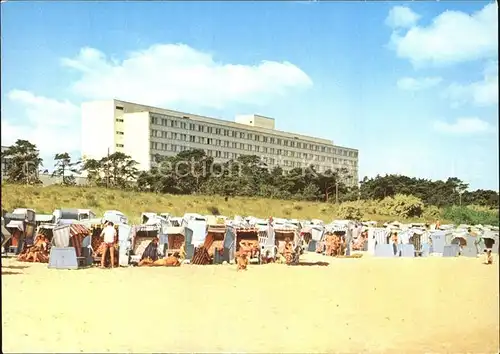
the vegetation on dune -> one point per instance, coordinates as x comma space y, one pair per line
192, 182
45, 199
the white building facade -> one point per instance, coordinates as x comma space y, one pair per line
142, 132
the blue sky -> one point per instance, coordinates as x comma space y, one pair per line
413, 86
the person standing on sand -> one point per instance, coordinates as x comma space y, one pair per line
109, 235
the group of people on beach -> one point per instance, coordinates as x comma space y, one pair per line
246, 250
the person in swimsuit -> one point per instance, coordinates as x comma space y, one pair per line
109, 235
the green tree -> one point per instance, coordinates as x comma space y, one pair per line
119, 169
94, 171
25, 162
66, 168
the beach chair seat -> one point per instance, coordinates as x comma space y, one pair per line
469, 251
63, 258
451, 251
384, 250
425, 250
407, 251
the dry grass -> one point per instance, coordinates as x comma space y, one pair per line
45, 199
351, 306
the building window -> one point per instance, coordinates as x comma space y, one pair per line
200, 128
256, 138
209, 141
119, 145
192, 138
119, 133
264, 139
119, 120
242, 135
192, 126
226, 143
285, 142
217, 153
250, 136
271, 140
119, 108
217, 131
278, 141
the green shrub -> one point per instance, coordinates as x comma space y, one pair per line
404, 206
431, 213
471, 216
350, 210
213, 210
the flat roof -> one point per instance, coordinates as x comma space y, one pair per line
224, 122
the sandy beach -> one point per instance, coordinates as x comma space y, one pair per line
429, 305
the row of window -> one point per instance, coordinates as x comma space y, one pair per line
287, 153
267, 160
218, 142
174, 123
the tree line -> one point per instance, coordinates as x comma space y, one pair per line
193, 172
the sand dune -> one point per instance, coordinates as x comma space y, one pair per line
438, 305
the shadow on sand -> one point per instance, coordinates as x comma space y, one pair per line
15, 266
11, 273
322, 264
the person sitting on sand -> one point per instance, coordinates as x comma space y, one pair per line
489, 257
151, 250
289, 251
489, 242
171, 261
109, 235
245, 248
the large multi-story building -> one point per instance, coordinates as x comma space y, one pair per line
144, 132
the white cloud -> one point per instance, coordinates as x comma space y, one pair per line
463, 126
415, 84
479, 93
452, 37
401, 17
54, 126
176, 73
